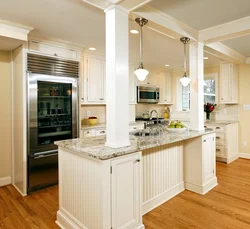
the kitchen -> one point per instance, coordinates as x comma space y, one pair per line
98, 98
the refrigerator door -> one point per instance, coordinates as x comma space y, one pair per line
52, 111
43, 170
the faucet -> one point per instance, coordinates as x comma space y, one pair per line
151, 113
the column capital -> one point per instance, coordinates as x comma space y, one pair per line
116, 7
192, 43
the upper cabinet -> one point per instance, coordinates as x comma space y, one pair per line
94, 80
132, 85
51, 49
228, 83
164, 81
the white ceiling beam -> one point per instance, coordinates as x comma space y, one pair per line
14, 30
225, 31
223, 52
129, 5
165, 23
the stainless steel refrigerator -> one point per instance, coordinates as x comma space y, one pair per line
52, 115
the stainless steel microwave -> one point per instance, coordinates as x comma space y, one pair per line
148, 94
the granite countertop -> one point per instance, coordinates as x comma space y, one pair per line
103, 125
222, 122
95, 147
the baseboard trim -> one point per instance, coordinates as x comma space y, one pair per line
5, 181
202, 189
233, 158
244, 155
160, 199
66, 222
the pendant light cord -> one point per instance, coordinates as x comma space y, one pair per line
185, 59
141, 52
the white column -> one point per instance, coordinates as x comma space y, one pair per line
196, 71
117, 77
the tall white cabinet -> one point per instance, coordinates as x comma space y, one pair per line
94, 80
228, 83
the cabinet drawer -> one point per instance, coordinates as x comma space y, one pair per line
138, 127
220, 138
220, 151
100, 132
88, 133
51, 50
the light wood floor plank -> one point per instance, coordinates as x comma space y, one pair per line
225, 207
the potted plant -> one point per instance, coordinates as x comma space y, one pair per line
208, 108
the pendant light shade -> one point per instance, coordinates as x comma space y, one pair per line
185, 80
141, 72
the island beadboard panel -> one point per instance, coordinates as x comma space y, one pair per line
162, 174
84, 199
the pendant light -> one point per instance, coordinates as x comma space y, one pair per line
141, 72
185, 80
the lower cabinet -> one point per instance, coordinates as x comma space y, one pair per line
200, 164
125, 189
99, 194
226, 149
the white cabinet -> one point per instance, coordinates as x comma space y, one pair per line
208, 151
125, 189
199, 164
228, 83
164, 80
132, 85
226, 148
52, 50
94, 81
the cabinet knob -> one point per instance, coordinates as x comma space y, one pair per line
55, 54
217, 150
138, 160
103, 132
101, 98
204, 140
221, 98
217, 137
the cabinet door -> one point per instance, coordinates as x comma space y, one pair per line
164, 83
132, 85
225, 82
94, 80
209, 157
126, 192
52, 50
103, 82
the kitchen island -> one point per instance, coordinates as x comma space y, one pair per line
102, 187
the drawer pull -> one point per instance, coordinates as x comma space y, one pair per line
205, 126
101, 98
217, 128
135, 128
204, 140
217, 137
217, 150
102, 132
137, 160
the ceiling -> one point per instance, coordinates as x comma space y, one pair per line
240, 44
80, 23
202, 14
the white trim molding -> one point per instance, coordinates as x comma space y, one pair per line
244, 155
5, 181
15, 31
225, 31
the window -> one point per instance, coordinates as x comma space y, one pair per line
210, 92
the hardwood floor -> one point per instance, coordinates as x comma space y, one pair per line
225, 207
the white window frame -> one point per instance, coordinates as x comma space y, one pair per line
179, 90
